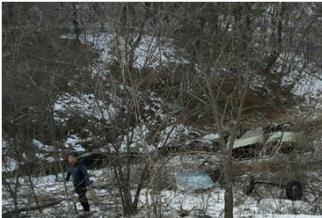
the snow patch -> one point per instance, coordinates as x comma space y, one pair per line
42, 147
210, 138
74, 142
9, 164
86, 105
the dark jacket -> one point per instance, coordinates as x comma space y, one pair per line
79, 174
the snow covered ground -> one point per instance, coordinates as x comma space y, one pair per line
86, 105
150, 52
104, 199
307, 84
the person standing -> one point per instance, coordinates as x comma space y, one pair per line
80, 179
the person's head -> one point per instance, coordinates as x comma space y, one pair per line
72, 158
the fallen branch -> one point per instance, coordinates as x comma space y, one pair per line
31, 208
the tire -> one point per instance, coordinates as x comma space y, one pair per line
294, 190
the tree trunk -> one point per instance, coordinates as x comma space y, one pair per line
33, 192
15, 212
229, 197
129, 207
76, 23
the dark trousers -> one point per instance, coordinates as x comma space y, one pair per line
81, 191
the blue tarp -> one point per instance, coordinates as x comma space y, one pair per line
193, 181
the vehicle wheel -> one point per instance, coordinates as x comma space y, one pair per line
294, 190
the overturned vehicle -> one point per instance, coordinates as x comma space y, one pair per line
270, 157
258, 143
